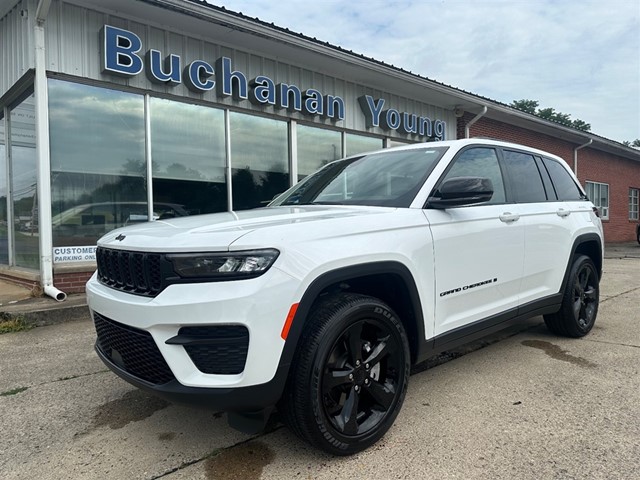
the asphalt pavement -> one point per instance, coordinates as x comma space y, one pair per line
527, 405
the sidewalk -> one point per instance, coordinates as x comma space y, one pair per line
16, 301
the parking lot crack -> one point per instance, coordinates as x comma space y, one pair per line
211, 456
611, 343
619, 295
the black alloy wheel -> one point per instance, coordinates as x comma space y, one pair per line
350, 374
585, 296
580, 301
362, 377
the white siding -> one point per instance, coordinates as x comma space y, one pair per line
16, 43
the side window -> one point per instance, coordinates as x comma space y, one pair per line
480, 162
565, 186
525, 178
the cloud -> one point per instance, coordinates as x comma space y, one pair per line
581, 58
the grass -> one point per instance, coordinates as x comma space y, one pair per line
13, 324
15, 391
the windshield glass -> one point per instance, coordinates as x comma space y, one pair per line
388, 179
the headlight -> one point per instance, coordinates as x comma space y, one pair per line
222, 266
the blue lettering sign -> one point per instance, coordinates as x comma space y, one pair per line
334, 107
262, 91
157, 73
226, 80
409, 123
390, 119
371, 109
439, 128
312, 102
197, 76
120, 48
285, 93
424, 127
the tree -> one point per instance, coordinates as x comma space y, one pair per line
634, 144
549, 113
528, 106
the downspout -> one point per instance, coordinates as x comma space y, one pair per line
474, 120
575, 156
42, 153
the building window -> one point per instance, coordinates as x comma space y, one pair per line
4, 220
98, 167
598, 193
24, 180
633, 203
360, 144
259, 159
188, 159
316, 148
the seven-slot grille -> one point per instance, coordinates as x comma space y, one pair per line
133, 272
132, 350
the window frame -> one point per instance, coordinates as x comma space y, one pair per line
603, 210
634, 207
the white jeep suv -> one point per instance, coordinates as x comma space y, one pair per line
320, 302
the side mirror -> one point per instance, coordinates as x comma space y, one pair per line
460, 191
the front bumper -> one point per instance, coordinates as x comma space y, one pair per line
233, 399
260, 305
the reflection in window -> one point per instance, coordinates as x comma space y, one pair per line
397, 143
188, 158
316, 148
98, 167
4, 224
526, 180
480, 162
24, 183
360, 144
259, 159
565, 186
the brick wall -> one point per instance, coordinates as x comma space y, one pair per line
593, 165
71, 282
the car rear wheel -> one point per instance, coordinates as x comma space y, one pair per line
580, 300
350, 375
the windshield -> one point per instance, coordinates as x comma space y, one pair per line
388, 179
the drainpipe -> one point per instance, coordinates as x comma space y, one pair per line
575, 155
42, 152
474, 120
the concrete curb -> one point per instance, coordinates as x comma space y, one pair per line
38, 312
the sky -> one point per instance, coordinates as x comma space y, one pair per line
580, 57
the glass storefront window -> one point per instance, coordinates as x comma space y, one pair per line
4, 223
316, 148
24, 183
98, 169
397, 143
188, 158
259, 160
360, 143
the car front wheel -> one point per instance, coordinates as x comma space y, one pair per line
350, 375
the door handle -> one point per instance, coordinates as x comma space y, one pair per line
508, 217
561, 212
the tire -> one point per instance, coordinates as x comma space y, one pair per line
580, 300
350, 376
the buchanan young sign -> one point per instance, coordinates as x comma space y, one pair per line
121, 56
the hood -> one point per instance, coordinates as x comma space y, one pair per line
216, 232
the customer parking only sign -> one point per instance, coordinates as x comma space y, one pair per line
74, 254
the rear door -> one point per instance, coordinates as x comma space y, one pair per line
477, 249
